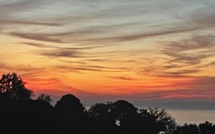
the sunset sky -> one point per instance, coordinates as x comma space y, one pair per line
150, 52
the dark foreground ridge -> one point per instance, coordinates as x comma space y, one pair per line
19, 114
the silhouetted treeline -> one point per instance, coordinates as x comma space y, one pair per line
19, 114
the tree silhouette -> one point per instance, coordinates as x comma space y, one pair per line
101, 119
12, 86
44, 97
69, 115
162, 119
207, 128
23, 115
187, 129
121, 109
125, 116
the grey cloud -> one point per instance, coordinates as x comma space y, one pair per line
88, 69
97, 60
181, 73
91, 31
9, 11
78, 68
9, 8
121, 78
172, 71
104, 67
170, 66
204, 16
195, 43
24, 22
189, 52
85, 67
184, 57
40, 45
62, 53
212, 63
143, 35
37, 37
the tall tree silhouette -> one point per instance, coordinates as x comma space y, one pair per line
69, 115
126, 116
12, 86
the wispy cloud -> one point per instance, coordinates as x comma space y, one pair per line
144, 35
37, 37
179, 73
190, 52
9, 12
204, 17
40, 45
184, 58
121, 78
23, 22
86, 67
63, 53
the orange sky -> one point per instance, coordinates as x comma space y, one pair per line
111, 49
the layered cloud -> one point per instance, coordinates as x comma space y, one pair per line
123, 49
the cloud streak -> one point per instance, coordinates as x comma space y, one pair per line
37, 37
86, 67
184, 58
121, 78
